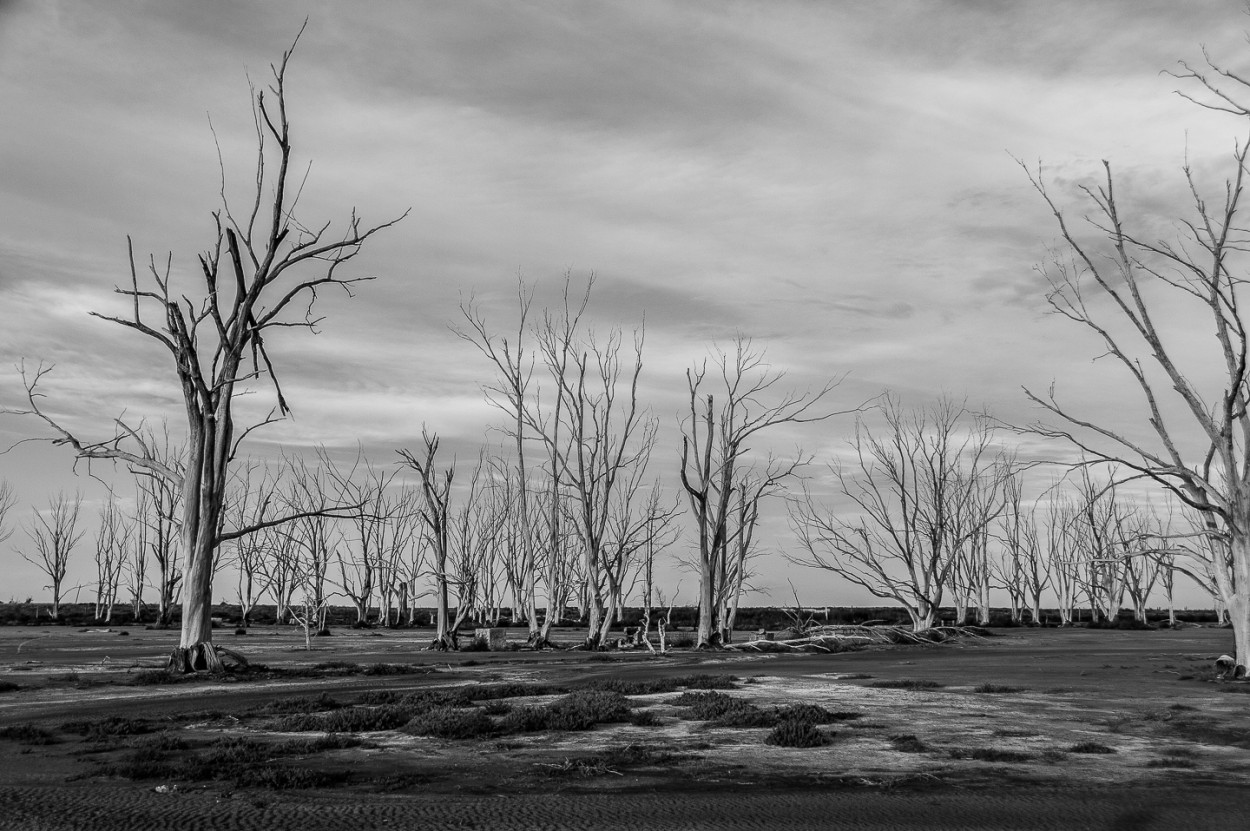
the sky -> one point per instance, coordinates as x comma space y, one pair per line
837, 181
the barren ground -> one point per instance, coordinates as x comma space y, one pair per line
1076, 729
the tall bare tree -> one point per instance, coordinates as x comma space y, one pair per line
8, 500
514, 365
114, 539
728, 410
917, 487
263, 271
436, 488
1131, 289
53, 535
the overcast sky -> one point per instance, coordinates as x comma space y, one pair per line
834, 179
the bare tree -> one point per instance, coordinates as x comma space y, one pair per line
514, 369
915, 486
436, 488
262, 265
156, 532
53, 535
114, 539
1126, 287
716, 462
8, 500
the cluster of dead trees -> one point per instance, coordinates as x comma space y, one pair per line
942, 516
571, 514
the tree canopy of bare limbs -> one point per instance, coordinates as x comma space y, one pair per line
731, 403
53, 534
1130, 289
263, 272
923, 488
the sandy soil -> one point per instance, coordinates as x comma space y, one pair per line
998, 757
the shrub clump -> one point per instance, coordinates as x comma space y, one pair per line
302, 704
721, 710
797, 733
347, 720
1091, 747
997, 688
700, 681
815, 714
906, 684
27, 734
452, 723
107, 728
579, 710
908, 743
9, 686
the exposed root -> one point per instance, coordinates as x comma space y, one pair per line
205, 657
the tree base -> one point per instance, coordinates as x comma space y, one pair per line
205, 657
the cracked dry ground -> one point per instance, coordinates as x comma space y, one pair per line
1028, 729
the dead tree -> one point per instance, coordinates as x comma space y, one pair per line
1128, 288
8, 500
114, 539
263, 271
915, 487
53, 534
436, 488
514, 368
727, 413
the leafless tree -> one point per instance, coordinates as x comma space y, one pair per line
263, 265
436, 488
729, 409
1101, 535
513, 363
53, 535
254, 498
8, 500
1129, 289
114, 539
915, 486
1062, 547
315, 536
156, 532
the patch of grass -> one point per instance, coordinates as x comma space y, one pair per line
510, 690
452, 723
162, 742
347, 720
395, 669
996, 688
855, 676
1171, 762
1010, 733
579, 710
1091, 747
914, 684
301, 704
243, 761
108, 728
702, 681
720, 710
815, 714
27, 734
797, 733
908, 743
990, 754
